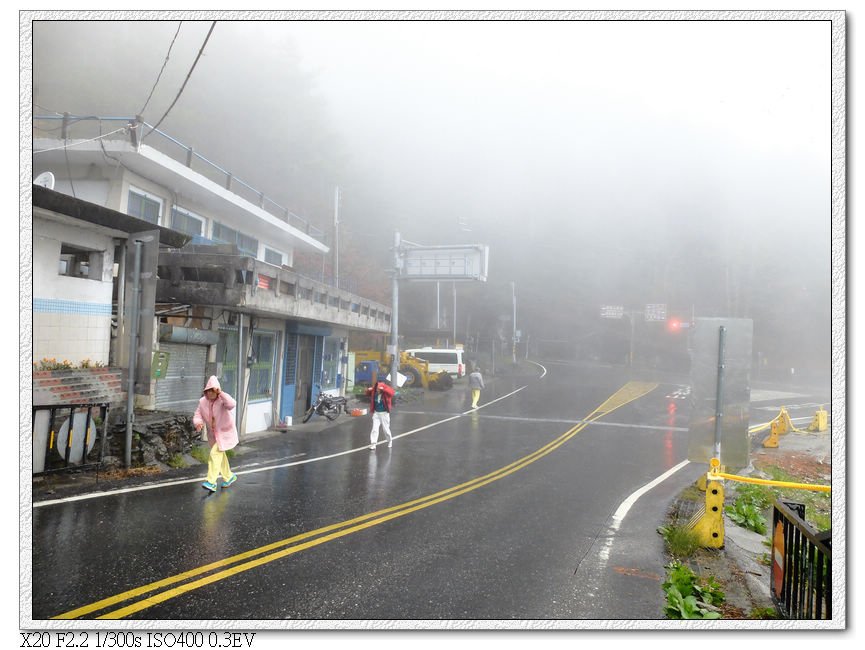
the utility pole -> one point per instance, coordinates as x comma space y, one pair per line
631, 315
438, 307
134, 309
719, 394
514, 298
241, 374
394, 319
336, 237
455, 313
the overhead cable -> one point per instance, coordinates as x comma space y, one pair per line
164, 63
75, 144
180, 92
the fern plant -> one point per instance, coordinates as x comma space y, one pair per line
745, 513
688, 597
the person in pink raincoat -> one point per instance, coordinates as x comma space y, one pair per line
215, 410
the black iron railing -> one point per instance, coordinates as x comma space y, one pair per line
64, 436
801, 576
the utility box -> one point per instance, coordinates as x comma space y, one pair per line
365, 373
159, 365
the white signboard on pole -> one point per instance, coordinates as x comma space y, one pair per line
612, 311
656, 312
467, 262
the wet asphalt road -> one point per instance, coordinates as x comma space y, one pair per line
402, 533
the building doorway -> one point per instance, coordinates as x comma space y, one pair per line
305, 358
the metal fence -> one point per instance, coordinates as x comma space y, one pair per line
801, 576
65, 437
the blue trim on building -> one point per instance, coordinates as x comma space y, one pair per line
294, 327
286, 403
54, 306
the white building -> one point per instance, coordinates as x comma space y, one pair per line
233, 282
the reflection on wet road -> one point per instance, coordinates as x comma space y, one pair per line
465, 455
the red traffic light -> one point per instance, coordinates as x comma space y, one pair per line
674, 324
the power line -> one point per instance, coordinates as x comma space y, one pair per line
164, 63
65, 146
184, 82
46, 109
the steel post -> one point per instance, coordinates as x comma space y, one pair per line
719, 414
133, 354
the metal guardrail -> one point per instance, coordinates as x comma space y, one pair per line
801, 576
138, 129
60, 444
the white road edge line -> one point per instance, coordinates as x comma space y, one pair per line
241, 472
498, 399
622, 510
544, 373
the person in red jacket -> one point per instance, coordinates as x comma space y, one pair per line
380, 404
214, 410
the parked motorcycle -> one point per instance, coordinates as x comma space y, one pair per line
330, 406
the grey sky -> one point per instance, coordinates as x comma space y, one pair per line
502, 107
633, 161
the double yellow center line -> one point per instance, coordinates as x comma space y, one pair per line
160, 591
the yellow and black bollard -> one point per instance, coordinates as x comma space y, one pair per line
820, 422
772, 439
708, 522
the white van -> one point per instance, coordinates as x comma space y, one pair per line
441, 359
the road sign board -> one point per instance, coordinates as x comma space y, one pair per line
656, 312
612, 311
446, 262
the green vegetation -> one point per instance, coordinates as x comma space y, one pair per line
763, 613
746, 514
681, 541
693, 493
200, 453
177, 461
760, 495
53, 364
691, 597
818, 505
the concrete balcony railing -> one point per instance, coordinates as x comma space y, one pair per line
71, 130
232, 281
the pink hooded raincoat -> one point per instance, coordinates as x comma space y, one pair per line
218, 417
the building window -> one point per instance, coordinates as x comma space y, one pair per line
186, 221
261, 362
330, 363
77, 262
245, 243
226, 360
144, 206
261, 365
273, 257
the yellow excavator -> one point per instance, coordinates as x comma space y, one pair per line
370, 364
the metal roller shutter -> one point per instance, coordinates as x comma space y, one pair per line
184, 379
